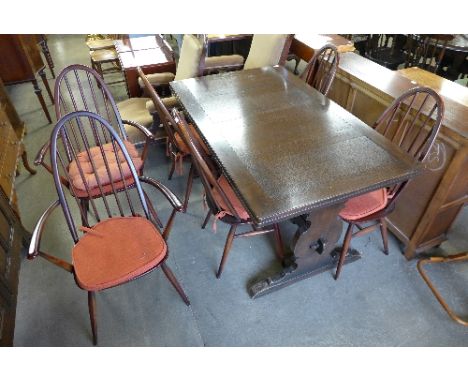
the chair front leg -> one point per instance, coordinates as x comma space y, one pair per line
384, 232
344, 250
188, 189
227, 248
92, 315
167, 271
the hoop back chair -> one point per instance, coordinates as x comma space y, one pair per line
412, 122
321, 69
222, 202
386, 50
427, 51
123, 242
442, 260
80, 88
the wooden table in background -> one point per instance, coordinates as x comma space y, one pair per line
429, 205
151, 53
304, 45
285, 149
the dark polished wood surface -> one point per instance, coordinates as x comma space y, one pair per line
305, 45
285, 147
290, 153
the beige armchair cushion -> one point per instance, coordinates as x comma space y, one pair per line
189, 60
134, 109
169, 102
266, 50
156, 79
223, 61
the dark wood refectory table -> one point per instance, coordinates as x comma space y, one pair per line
290, 154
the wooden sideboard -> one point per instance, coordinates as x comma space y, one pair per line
427, 208
12, 233
21, 61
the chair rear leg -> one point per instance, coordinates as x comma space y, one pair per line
92, 315
278, 242
207, 219
189, 187
227, 248
384, 232
167, 271
173, 166
344, 250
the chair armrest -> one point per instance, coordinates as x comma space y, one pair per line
33, 250
158, 79
170, 196
148, 134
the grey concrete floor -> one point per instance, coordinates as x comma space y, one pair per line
378, 301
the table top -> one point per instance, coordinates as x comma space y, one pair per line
444, 87
133, 43
393, 84
284, 147
142, 58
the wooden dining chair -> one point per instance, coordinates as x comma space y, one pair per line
427, 51
460, 257
386, 50
176, 147
412, 122
321, 69
80, 88
120, 241
268, 50
221, 199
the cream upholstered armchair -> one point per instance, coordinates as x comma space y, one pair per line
188, 67
268, 50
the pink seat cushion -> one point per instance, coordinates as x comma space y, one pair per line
236, 203
117, 250
364, 205
89, 177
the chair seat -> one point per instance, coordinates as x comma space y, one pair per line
364, 205
198, 140
224, 61
134, 109
230, 194
115, 251
79, 184
169, 103
156, 79
103, 55
106, 43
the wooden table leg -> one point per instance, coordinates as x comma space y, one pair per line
38, 92
46, 84
313, 248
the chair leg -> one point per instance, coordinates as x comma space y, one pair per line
207, 219
38, 92
344, 250
92, 315
173, 166
188, 187
46, 84
278, 242
24, 157
167, 271
227, 248
384, 232
84, 207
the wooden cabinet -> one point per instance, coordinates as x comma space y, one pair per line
428, 206
21, 61
12, 233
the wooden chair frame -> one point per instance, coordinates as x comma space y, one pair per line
399, 124
209, 181
426, 51
64, 133
442, 260
321, 69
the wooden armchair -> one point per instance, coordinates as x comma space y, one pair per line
412, 122
120, 240
80, 88
386, 50
321, 69
222, 202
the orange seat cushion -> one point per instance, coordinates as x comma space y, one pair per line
183, 146
236, 203
364, 205
117, 250
89, 177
